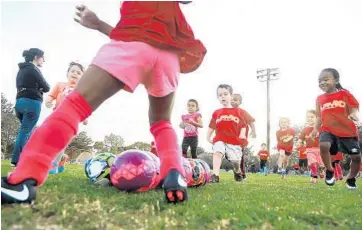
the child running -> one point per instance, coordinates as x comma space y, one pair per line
236, 102
312, 145
151, 45
229, 127
303, 161
57, 94
336, 123
285, 138
336, 163
190, 124
263, 156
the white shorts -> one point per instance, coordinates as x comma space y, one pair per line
230, 152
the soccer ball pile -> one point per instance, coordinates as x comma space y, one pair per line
139, 171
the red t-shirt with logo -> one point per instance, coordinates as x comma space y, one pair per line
334, 109
227, 123
309, 142
163, 25
302, 152
281, 134
263, 154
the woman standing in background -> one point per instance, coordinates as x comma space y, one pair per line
30, 85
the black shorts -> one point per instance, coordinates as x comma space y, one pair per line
348, 145
303, 163
263, 163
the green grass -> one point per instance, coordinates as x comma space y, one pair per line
68, 201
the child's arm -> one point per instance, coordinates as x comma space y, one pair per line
242, 133
289, 138
318, 122
209, 135
253, 131
52, 96
89, 19
353, 115
197, 123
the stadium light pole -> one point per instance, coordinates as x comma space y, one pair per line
267, 75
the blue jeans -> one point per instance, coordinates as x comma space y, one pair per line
28, 112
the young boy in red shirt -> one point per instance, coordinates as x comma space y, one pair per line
236, 102
230, 132
263, 156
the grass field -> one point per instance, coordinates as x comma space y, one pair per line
68, 201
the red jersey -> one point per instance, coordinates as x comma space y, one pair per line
227, 123
263, 154
309, 142
248, 120
302, 152
160, 24
281, 135
334, 109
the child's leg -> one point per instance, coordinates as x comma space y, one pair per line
58, 129
242, 165
54, 168
216, 163
281, 159
355, 166
168, 150
328, 145
185, 146
194, 142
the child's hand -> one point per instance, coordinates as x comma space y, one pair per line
210, 140
313, 134
253, 135
353, 117
87, 18
182, 125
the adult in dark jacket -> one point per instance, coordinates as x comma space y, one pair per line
30, 85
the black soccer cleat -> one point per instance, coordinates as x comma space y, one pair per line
351, 183
330, 179
175, 187
24, 192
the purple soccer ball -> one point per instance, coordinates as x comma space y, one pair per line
133, 171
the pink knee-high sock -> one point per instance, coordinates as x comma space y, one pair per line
313, 169
168, 149
50, 138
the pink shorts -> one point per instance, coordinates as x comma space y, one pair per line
314, 156
135, 63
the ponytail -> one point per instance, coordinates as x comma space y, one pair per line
339, 86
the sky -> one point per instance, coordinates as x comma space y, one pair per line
299, 37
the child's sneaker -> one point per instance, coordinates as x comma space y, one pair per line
215, 179
24, 192
330, 180
237, 176
175, 187
244, 177
351, 183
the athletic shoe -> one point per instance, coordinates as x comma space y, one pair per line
23, 192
